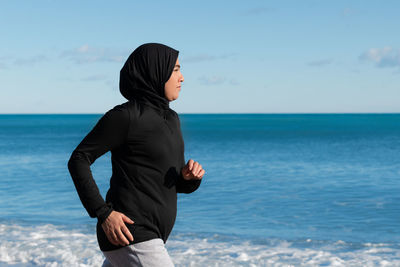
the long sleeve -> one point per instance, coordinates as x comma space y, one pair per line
182, 185
109, 133
186, 186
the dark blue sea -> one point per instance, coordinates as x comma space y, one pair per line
279, 190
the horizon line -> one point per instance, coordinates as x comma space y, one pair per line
220, 113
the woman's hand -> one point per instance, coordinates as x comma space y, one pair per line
192, 171
115, 229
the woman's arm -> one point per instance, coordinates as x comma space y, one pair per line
109, 133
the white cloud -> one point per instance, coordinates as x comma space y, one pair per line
94, 78
6, 61
206, 57
199, 58
213, 80
88, 54
31, 60
386, 57
347, 12
217, 80
2, 62
83, 48
234, 82
320, 63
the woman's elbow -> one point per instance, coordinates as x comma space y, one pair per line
76, 159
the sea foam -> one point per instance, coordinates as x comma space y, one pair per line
50, 245
47, 245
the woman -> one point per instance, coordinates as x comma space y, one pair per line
148, 165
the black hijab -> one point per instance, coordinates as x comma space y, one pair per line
145, 73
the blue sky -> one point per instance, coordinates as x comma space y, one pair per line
236, 56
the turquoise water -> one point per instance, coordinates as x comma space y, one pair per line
279, 190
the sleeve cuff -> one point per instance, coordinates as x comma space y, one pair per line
187, 186
104, 212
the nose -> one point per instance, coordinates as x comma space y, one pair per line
182, 78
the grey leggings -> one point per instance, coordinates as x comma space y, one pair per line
151, 253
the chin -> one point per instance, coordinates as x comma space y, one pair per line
175, 97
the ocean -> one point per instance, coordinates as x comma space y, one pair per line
279, 190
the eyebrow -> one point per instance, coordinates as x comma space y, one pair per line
179, 66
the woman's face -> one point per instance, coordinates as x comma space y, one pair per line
173, 85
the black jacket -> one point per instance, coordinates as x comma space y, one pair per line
147, 155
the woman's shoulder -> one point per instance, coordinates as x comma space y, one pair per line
119, 114
129, 111
127, 107
123, 115
120, 110
134, 110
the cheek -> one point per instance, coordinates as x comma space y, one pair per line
168, 86
175, 76
170, 90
